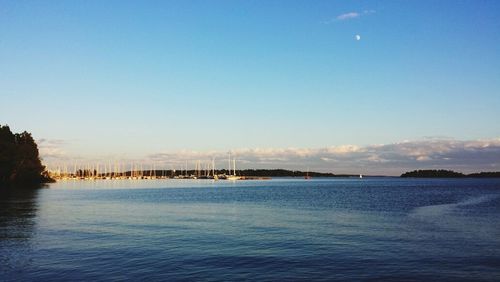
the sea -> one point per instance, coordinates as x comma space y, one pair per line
284, 229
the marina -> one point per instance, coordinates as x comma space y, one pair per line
133, 171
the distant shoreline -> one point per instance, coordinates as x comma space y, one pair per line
441, 173
244, 174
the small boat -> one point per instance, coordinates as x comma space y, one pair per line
360, 176
233, 177
307, 175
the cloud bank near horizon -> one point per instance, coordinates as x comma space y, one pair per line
386, 159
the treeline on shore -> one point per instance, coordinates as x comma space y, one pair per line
441, 173
286, 173
19, 159
201, 173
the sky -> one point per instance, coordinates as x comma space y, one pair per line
373, 87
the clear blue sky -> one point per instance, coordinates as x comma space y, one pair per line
150, 76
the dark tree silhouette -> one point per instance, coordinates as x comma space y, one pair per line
430, 173
487, 174
19, 158
441, 173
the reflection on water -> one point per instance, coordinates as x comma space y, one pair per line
18, 208
333, 229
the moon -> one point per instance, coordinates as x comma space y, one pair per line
357, 37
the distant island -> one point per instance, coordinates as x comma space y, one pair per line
19, 159
441, 173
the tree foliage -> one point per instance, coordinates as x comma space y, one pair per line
19, 158
487, 174
429, 173
441, 173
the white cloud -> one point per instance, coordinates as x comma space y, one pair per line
350, 16
51, 149
343, 149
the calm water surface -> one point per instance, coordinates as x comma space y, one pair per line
283, 229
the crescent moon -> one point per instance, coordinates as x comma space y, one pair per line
358, 37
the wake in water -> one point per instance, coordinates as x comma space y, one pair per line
446, 209
461, 218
